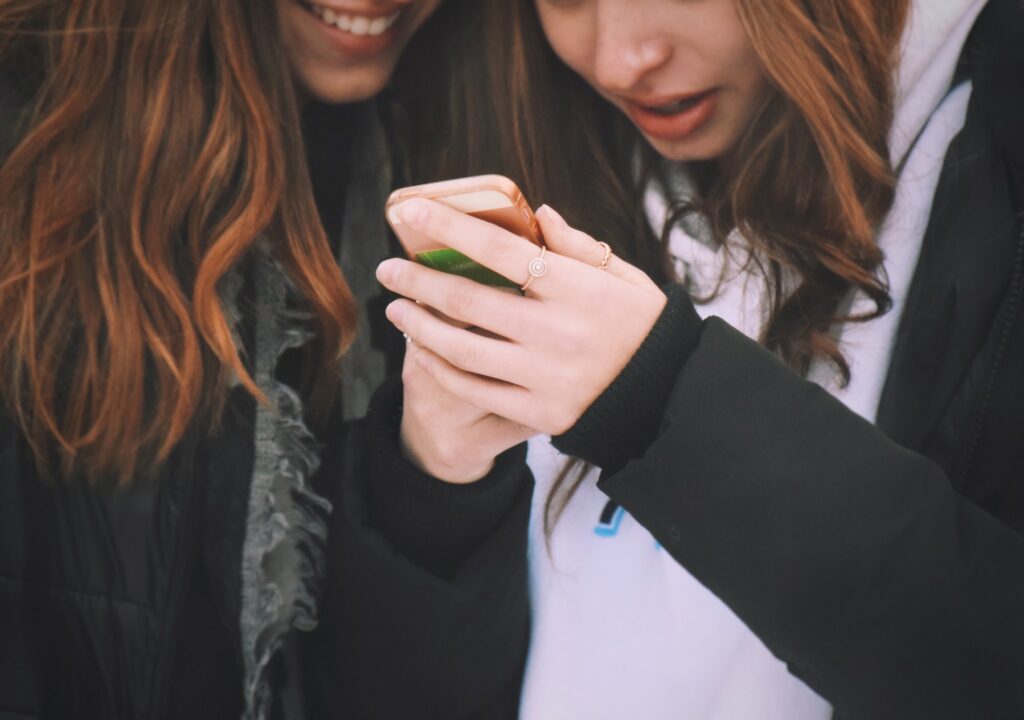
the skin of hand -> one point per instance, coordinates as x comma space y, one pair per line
544, 357
444, 435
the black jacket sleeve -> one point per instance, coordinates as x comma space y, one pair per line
621, 423
852, 558
426, 613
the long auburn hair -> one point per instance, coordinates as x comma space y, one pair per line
160, 141
825, 129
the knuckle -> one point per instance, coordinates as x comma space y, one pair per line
499, 248
440, 224
568, 375
586, 244
573, 337
461, 303
597, 293
596, 254
466, 356
516, 325
411, 328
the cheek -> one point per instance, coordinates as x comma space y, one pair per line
571, 39
742, 69
756, 87
751, 69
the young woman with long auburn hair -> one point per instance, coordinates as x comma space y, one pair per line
182, 185
816, 425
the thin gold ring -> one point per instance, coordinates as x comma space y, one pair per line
538, 267
607, 255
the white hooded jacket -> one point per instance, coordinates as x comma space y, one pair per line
620, 630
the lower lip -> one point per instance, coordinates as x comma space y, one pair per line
679, 126
357, 46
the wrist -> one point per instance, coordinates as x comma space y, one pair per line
440, 463
623, 421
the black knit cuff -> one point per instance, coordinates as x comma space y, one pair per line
435, 524
624, 420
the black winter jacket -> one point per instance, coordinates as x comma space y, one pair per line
884, 565
125, 604
120, 604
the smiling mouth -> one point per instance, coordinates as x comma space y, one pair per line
353, 23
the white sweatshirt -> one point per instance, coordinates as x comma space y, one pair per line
620, 630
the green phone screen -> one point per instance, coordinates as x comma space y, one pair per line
454, 262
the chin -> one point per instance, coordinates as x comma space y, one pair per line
346, 86
710, 146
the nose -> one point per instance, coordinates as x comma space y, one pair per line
626, 52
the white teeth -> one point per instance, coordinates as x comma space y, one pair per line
355, 24
360, 26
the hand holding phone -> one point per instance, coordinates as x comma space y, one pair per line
493, 198
542, 359
442, 434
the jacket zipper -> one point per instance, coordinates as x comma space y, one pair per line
1013, 304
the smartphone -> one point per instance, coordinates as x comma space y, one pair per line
493, 198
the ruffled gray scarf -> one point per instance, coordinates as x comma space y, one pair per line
283, 562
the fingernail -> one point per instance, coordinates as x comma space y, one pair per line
553, 214
386, 270
413, 212
395, 312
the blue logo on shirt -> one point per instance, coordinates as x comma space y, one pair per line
611, 519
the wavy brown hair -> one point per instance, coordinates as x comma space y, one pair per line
158, 142
824, 129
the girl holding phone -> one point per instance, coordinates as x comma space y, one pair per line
186, 490
812, 497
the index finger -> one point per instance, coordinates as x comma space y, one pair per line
494, 247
